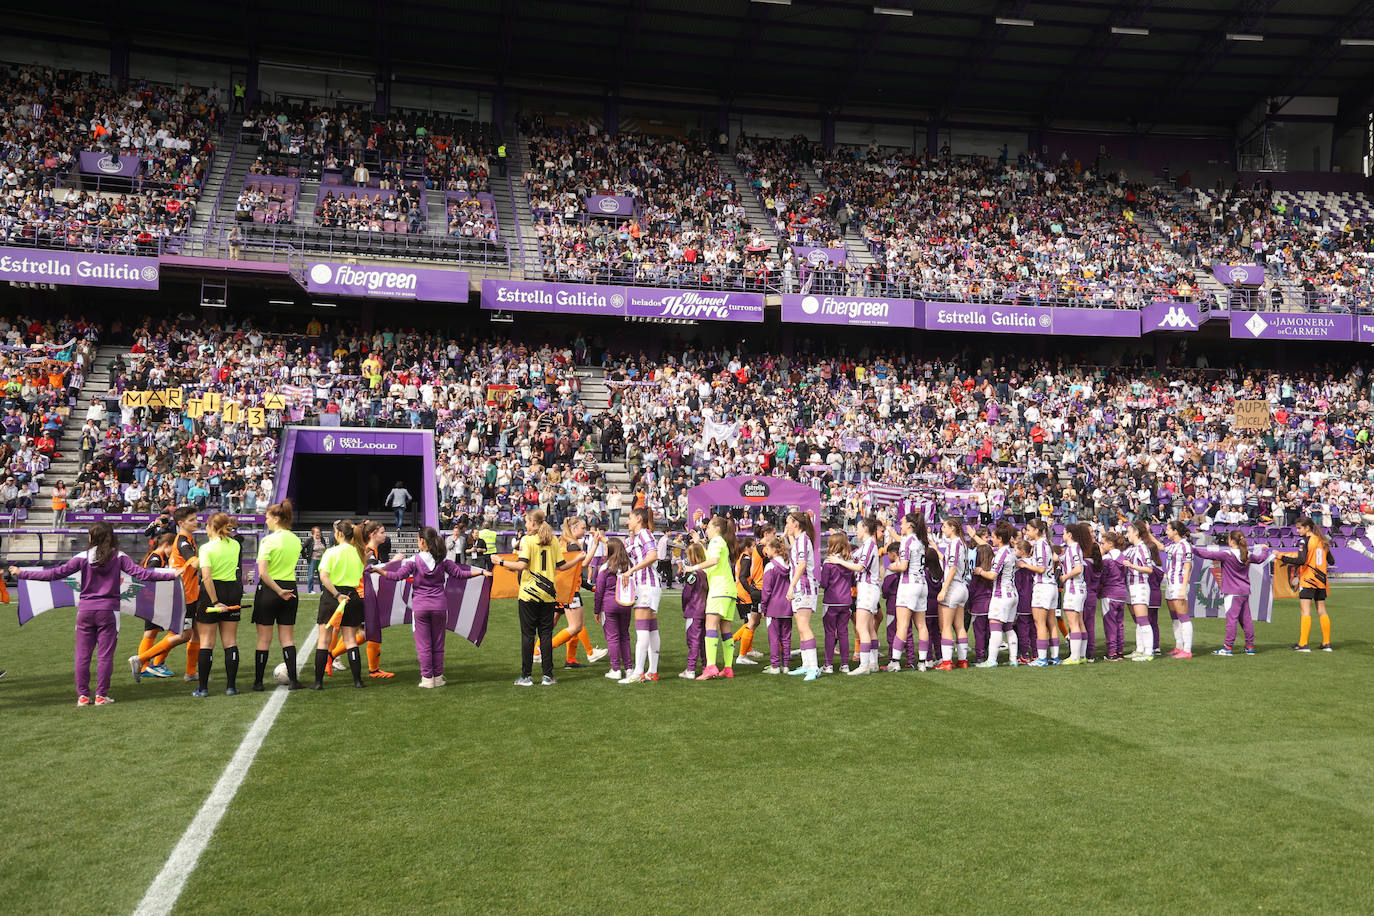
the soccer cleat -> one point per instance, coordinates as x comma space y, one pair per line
1115, 657
688, 675
828, 669
1183, 654
1173, 653
160, 671
524, 682
439, 681
744, 660
380, 673
1224, 651
1326, 647
547, 681
200, 693
755, 654
797, 671
572, 664
231, 691
944, 665
1054, 660
859, 669
613, 675
188, 678
961, 663
1249, 650
339, 664
844, 669
893, 666
632, 679
257, 687
597, 655
1072, 661
1023, 659
1039, 663
427, 683
359, 683
651, 675
772, 669
1299, 647
924, 666
990, 663
1142, 658
103, 701
711, 671
727, 672
137, 667
317, 686
83, 701
812, 674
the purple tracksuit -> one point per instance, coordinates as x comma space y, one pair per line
934, 581
97, 628
1156, 599
617, 621
837, 594
1112, 589
778, 610
1025, 620
694, 612
890, 597
979, 597
1235, 588
1092, 578
428, 605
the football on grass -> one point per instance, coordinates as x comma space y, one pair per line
280, 676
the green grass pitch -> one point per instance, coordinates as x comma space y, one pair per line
1215, 785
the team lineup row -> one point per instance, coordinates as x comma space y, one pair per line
1001, 583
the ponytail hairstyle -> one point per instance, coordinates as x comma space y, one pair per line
1005, 532
545, 534
218, 525
773, 546
542, 530
645, 516
837, 546
1179, 528
983, 556
726, 526
369, 528
1114, 540
1237, 540
159, 542
617, 557
952, 522
918, 527
282, 513
1039, 525
432, 543
1142, 530
1314, 531
103, 543
1082, 534
934, 565
569, 524
807, 526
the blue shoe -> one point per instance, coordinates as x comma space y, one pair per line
1039, 663
231, 691
1223, 651
1055, 661
200, 693
1249, 650
796, 671
811, 674
990, 663
160, 671
524, 682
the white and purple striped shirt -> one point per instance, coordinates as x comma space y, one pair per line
914, 554
1139, 555
954, 555
802, 552
1177, 556
641, 545
871, 560
1004, 568
1042, 555
1073, 556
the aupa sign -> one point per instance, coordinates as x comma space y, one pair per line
386, 281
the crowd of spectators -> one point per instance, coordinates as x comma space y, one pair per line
48, 117
689, 227
471, 219
402, 211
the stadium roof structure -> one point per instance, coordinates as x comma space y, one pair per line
1142, 61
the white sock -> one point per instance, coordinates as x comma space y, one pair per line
1142, 640
1178, 627
994, 645
962, 649
946, 652
641, 650
1185, 634
1041, 653
873, 658
922, 655
1054, 647
1075, 646
809, 658
1011, 644
654, 644
896, 653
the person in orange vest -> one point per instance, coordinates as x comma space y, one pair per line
1312, 559
59, 504
749, 569
185, 559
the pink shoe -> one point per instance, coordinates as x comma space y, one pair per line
1173, 653
1183, 654
710, 672
728, 672
83, 701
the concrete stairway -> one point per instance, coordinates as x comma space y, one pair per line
524, 218
597, 396
753, 207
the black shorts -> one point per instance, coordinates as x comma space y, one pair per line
268, 609
352, 605
1312, 594
149, 626
229, 593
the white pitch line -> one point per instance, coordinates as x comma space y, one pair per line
167, 886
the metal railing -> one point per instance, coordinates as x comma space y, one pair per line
280, 241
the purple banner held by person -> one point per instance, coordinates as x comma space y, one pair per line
109, 164
1238, 274
386, 282
72, 268
999, 319
850, 310
610, 205
562, 298
1291, 326
1170, 316
694, 304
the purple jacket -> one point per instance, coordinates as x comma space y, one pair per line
427, 584
1025, 582
1235, 575
603, 596
1156, 579
890, 593
100, 585
1092, 579
1112, 583
776, 575
836, 584
979, 594
694, 596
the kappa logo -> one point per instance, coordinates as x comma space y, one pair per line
328, 443
1177, 318
1256, 325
